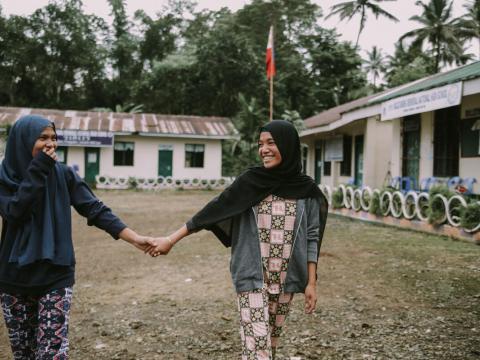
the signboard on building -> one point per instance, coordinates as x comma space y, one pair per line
423, 101
85, 138
334, 149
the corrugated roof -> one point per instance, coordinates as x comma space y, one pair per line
467, 72
328, 116
151, 124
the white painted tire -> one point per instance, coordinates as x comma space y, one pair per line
454, 219
396, 208
347, 196
444, 201
421, 204
385, 201
345, 202
410, 201
366, 205
357, 200
475, 229
327, 191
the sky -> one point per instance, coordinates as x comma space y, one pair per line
382, 32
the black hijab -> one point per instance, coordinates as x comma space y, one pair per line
46, 233
256, 183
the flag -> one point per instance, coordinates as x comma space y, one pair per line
270, 59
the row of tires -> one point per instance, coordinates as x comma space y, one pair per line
161, 182
409, 206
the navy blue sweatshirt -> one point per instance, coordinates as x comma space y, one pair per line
43, 276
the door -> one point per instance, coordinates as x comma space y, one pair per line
359, 160
165, 156
92, 164
318, 162
411, 148
446, 142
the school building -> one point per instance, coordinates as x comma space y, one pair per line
426, 130
135, 145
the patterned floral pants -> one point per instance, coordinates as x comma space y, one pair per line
38, 325
262, 316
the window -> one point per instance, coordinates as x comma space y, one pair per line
446, 142
304, 158
327, 168
62, 152
470, 136
194, 154
123, 153
346, 164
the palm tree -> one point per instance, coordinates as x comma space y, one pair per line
375, 64
470, 22
441, 31
347, 10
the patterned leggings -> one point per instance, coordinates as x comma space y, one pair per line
262, 316
38, 325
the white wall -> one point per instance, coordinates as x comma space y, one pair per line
377, 151
76, 156
145, 162
426, 145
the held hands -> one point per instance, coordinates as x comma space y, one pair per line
159, 246
310, 298
143, 242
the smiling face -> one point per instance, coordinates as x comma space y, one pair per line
268, 151
46, 140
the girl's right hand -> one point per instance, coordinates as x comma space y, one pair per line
50, 152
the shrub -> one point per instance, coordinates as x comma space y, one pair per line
436, 208
337, 199
375, 204
470, 216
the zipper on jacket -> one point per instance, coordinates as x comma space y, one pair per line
259, 248
293, 245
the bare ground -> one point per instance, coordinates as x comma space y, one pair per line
383, 293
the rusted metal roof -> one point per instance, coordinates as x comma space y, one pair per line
144, 124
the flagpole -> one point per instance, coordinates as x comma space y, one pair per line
270, 67
271, 98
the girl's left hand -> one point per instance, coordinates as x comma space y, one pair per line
310, 298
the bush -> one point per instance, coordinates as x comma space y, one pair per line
470, 216
436, 209
375, 204
337, 199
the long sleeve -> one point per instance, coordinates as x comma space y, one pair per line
90, 207
313, 226
17, 206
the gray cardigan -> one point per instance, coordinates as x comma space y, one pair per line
245, 262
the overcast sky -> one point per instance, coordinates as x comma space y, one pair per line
382, 33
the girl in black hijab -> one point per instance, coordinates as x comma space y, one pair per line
37, 262
273, 218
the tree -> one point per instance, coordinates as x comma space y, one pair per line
470, 22
349, 9
334, 70
123, 54
242, 152
407, 64
440, 31
375, 64
53, 57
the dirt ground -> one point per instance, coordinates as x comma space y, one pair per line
383, 293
